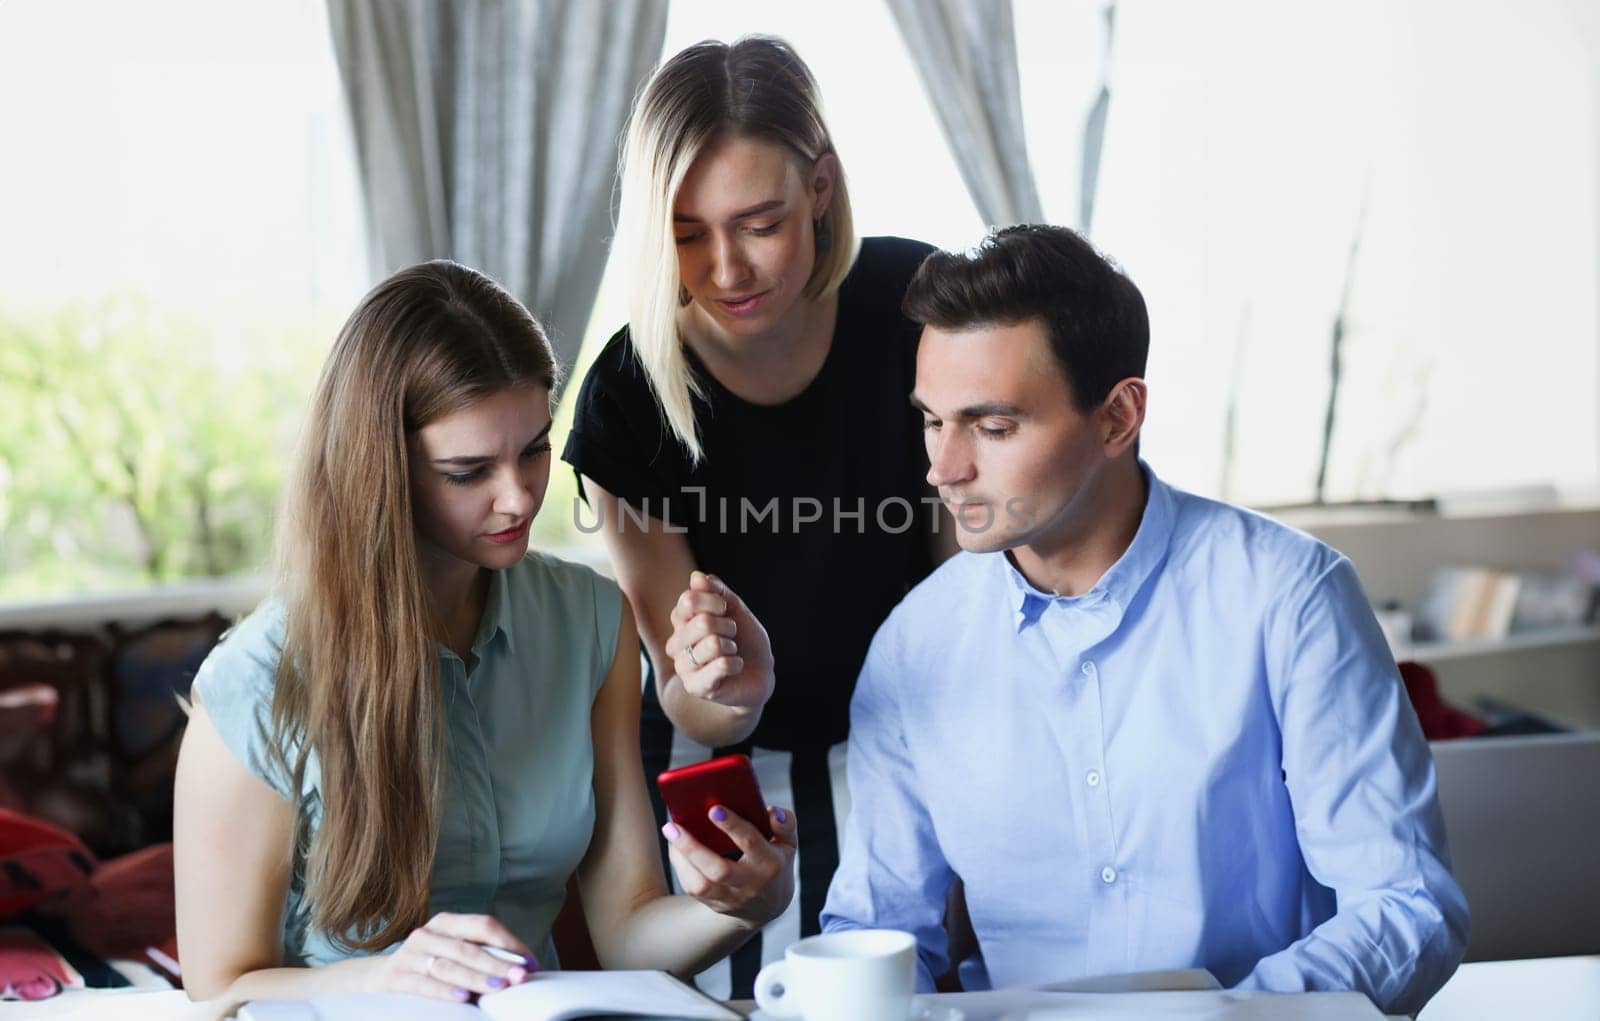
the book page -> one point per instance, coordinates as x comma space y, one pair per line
560, 995
359, 1007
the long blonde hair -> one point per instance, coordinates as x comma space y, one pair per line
757, 88
358, 681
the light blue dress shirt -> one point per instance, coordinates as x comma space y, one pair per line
1207, 760
519, 780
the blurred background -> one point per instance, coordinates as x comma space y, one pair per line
1368, 233
182, 228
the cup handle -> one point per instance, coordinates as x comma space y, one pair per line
772, 995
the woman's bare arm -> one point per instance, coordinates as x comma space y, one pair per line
633, 920
653, 568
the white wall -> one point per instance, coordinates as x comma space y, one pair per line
1244, 141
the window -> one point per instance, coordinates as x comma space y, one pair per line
1251, 145
182, 238
183, 235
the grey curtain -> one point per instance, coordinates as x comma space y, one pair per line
487, 133
966, 54
1094, 126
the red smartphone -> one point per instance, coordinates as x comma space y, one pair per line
730, 781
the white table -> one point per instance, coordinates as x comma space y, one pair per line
1550, 989
1555, 989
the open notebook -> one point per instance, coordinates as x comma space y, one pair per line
546, 996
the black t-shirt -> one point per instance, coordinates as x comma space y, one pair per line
812, 510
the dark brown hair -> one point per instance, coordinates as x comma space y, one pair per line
1094, 316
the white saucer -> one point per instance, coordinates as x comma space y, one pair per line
922, 1009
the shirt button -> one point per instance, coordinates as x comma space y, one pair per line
1093, 779
1108, 875
1088, 668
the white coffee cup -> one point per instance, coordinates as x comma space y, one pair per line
858, 975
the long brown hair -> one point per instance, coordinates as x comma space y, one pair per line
358, 682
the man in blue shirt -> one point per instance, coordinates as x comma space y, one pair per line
1147, 730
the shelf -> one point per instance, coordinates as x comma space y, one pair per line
1311, 517
1434, 652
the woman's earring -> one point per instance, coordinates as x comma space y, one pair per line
824, 236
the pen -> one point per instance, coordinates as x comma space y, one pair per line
509, 956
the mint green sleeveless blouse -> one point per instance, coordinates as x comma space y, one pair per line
519, 780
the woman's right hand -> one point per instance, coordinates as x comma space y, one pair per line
719, 649
446, 960
754, 888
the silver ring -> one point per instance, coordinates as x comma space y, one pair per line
688, 650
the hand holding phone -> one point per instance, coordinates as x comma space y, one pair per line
692, 791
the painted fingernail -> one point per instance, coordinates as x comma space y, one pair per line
719, 814
497, 982
459, 993
671, 832
780, 815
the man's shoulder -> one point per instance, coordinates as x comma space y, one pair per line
926, 617
925, 647
952, 583
1213, 535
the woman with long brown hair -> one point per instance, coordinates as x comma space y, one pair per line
401, 757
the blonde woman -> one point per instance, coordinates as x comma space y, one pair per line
401, 758
753, 421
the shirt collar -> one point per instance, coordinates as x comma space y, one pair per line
496, 613
1125, 578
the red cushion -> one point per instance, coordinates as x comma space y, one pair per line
570, 933
38, 862
127, 907
1439, 719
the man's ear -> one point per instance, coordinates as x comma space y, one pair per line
819, 186
1122, 415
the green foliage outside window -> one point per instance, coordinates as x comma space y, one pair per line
138, 447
